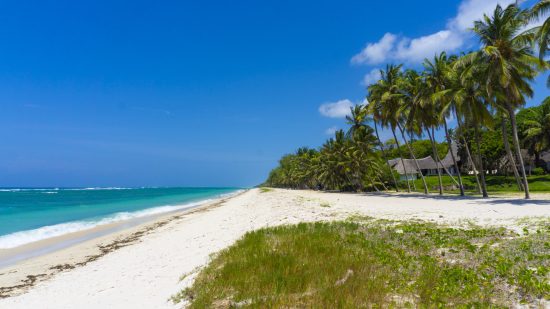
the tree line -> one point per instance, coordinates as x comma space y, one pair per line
481, 90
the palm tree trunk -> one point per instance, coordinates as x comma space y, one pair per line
385, 157
438, 160
402, 161
382, 183
481, 170
369, 167
512, 115
450, 143
415, 161
509, 153
436, 156
460, 126
373, 185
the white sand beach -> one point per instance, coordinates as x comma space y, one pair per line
141, 267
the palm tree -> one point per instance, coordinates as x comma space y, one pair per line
438, 77
510, 65
382, 95
363, 157
536, 128
391, 109
542, 32
411, 108
506, 142
357, 121
471, 103
374, 111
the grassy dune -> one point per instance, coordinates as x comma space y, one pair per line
368, 263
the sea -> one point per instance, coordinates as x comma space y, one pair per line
31, 214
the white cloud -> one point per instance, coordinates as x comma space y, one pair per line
339, 109
416, 50
375, 53
331, 130
372, 77
413, 50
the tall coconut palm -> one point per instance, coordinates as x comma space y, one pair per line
510, 65
460, 87
392, 100
383, 94
437, 75
471, 102
511, 159
411, 110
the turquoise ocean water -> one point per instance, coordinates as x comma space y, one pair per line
28, 215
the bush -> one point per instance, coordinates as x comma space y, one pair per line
538, 171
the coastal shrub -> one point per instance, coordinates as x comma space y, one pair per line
373, 263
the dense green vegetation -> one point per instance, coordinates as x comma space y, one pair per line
368, 263
483, 90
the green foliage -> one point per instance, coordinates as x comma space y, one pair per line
534, 127
421, 149
481, 90
538, 171
370, 263
345, 162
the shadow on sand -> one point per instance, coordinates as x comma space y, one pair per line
478, 199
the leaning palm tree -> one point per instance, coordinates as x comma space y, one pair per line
372, 109
506, 143
510, 65
471, 103
392, 112
437, 74
383, 95
459, 89
411, 105
357, 120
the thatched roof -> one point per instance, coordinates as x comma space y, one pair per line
424, 163
545, 156
397, 164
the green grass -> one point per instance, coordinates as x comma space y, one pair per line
371, 263
495, 184
265, 189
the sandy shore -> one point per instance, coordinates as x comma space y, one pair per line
141, 267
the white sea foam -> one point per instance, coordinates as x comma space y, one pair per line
24, 237
65, 189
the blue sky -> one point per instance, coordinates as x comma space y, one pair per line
143, 93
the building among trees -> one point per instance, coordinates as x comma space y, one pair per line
428, 165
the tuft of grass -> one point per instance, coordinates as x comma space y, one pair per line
373, 263
265, 190
325, 204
